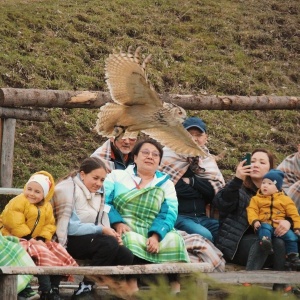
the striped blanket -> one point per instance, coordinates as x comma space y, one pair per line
54, 255
291, 183
176, 165
201, 249
139, 208
12, 254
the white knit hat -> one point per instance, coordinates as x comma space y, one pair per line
43, 181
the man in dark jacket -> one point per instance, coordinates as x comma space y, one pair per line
195, 189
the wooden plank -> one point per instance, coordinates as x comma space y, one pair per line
12, 97
182, 268
7, 152
24, 114
10, 191
261, 276
8, 287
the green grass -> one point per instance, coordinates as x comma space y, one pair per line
224, 48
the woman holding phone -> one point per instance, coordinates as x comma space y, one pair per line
236, 238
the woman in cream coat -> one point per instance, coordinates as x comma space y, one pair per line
82, 220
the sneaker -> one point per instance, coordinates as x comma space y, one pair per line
293, 262
28, 294
84, 291
266, 245
53, 294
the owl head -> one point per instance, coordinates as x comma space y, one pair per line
176, 111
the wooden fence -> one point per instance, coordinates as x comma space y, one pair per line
29, 104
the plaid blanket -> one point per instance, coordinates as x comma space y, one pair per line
12, 254
104, 152
176, 165
201, 249
138, 209
54, 255
291, 183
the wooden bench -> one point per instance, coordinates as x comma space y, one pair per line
8, 274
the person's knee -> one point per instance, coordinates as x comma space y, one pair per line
109, 243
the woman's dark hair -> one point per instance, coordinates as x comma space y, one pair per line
248, 181
92, 163
87, 166
137, 147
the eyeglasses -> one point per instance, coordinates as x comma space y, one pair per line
146, 153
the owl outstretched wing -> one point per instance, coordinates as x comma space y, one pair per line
127, 79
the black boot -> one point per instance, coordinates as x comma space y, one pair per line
293, 262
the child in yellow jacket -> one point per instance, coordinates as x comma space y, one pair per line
271, 203
29, 216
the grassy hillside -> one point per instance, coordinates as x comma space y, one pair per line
226, 47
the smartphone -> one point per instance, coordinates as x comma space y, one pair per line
248, 159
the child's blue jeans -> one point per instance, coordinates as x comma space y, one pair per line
290, 238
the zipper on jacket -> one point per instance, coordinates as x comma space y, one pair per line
271, 210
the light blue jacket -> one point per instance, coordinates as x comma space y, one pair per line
122, 181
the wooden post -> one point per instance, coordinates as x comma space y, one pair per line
8, 287
7, 152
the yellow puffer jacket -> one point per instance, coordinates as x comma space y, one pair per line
267, 208
19, 215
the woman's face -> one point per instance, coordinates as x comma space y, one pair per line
260, 165
148, 158
93, 180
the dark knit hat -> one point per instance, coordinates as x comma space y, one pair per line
276, 176
194, 122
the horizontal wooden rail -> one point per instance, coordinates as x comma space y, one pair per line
13, 97
111, 270
24, 114
8, 278
10, 191
260, 276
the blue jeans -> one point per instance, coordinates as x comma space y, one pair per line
207, 227
290, 238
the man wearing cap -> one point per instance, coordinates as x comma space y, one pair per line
195, 186
117, 152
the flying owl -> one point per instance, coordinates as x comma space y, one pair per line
137, 107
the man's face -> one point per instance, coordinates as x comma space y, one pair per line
199, 137
125, 145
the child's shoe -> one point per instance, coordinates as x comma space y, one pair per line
53, 294
84, 291
293, 261
266, 245
28, 294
